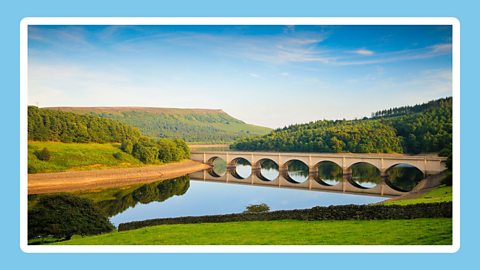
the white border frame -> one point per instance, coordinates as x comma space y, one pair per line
240, 21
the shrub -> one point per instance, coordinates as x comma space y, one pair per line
127, 147
62, 216
257, 208
145, 150
43, 155
117, 155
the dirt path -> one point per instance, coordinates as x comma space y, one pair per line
82, 180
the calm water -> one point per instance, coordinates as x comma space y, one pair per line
182, 197
401, 177
191, 197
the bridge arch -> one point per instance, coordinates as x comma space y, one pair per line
364, 175
328, 173
353, 162
403, 177
218, 166
332, 160
301, 168
233, 167
269, 166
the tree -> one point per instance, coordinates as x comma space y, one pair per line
257, 208
145, 150
62, 216
43, 155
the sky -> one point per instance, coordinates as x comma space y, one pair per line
265, 75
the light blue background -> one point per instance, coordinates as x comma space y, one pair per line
12, 13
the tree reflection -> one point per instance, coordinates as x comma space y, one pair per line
115, 201
328, 170
365, 175
404, 177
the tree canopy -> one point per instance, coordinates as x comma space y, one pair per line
52, 125
410, 129
62, 216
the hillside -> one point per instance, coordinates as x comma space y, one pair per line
192, 125
410, 129
52, 125
76, 131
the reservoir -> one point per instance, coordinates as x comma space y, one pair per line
183, 196
192, 195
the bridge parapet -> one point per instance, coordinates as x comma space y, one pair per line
427, 164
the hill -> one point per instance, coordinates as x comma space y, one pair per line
192, 125
410, 129
68, 127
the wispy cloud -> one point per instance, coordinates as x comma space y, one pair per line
363, 52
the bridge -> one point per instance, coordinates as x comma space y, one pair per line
428, 165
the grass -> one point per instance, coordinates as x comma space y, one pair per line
434, 231
438, 194
78, 156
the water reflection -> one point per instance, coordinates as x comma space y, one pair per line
116, 200
219, 167
297, 171
210, 198
329, 173
243, 168
404, 177
268, 170
365, 175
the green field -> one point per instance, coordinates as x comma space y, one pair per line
434, 231
439, 194
78, 156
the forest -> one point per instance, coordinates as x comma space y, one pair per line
412, 129
51, 125
67, 127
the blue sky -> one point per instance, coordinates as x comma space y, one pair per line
266, 75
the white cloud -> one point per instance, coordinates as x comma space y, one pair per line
363, 52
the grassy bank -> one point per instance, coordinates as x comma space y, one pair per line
433, 231
78, 156
438, 194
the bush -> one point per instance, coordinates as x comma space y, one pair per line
43, 155
257, 208
62, 216
127, 147
117, 155
145, 150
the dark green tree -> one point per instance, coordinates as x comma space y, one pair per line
62, 216
43, 154
257, 208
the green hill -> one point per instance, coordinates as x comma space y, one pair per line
192, 125
410, 129
53, 125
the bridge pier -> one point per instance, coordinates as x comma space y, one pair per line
346, 178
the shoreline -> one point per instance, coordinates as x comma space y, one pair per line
69, 181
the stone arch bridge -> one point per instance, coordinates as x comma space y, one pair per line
428, 165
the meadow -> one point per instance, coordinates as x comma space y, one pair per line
78, 157
432, 231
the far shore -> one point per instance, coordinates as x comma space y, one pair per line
94, 179
196, 146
